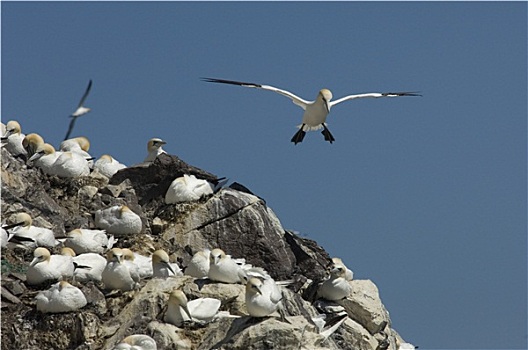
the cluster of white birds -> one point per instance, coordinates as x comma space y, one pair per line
81, 259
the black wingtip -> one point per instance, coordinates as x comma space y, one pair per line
231, 82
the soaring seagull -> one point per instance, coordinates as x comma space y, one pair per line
315, 112
81, 110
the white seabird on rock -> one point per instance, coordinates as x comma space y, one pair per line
336, 287
162, 267
118, 220
61, 297
201, 310
137, 342
87, 241
87, 266
108, 166
31, 143
45, 267
199, 265
143, 263
70, 164
13, 138
44, 158
117, 274
154, 149
315, 112
223, 268
262, 298
40, 236
187, 188
349, 275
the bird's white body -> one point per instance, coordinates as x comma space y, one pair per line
118, 220
187, 188
223, 268
315, 112
45, 157
108, 166
162, 267
90, 267
13, 138
87, 241
336, 287
262, 297
70, 165
137, 342
201, 310
79, 145
118, 274
41, 236
199, 265
137, 262
46, 267
61, 297
154, 149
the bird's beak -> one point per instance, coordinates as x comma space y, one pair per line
258, 290
170, 268
34, 262
186, 309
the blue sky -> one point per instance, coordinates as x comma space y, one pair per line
425, 196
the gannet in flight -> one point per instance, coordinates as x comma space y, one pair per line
315, 112
81, 110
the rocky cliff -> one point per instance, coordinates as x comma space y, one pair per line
232, 219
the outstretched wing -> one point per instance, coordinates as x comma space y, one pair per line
295, 99
85, 93
70, 128
373, 95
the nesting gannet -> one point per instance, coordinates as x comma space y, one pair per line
154, 149
45, 267
87, 266
81, 110
31, 143
108, 166
118, 220
40, 236
262, 298
162, 267
61, 297
117, 274
199, 265
70, 164
223, 268
201, 310
142, 263
137, 342
315, 112
349, 275
336, 287
87, 241
187, 188
44, 158
79, 145
13, 138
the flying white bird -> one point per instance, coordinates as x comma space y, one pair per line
315, 112
81, 110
